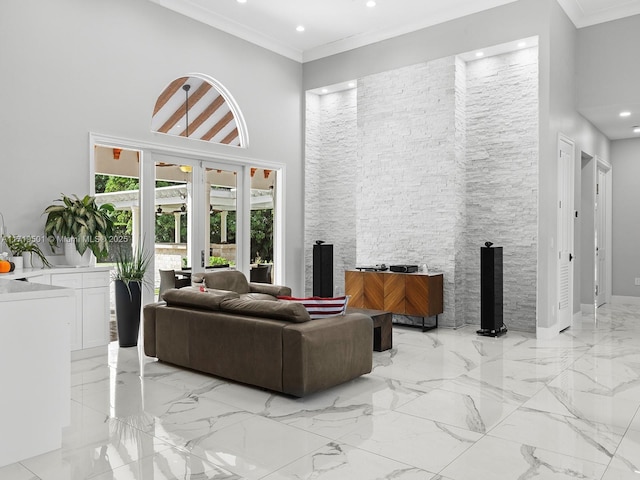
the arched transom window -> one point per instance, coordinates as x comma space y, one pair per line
200, 108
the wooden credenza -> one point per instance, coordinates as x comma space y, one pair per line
415, 294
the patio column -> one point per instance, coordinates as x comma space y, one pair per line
207, 223
135, 227
223, 226
176, 223
190, 226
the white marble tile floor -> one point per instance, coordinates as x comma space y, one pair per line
441, 405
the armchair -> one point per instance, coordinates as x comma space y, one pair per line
235, 281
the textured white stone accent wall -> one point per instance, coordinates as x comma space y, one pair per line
410, 205
330, 179
460, 118
443, 157
502, 180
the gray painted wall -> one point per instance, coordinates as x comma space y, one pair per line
607, 56
625, 156
71, 66
557, 106
520, 19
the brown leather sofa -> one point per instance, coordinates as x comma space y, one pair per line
267, 343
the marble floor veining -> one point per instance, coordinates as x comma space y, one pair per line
441, 405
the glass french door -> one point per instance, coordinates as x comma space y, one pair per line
198, 216
262, 225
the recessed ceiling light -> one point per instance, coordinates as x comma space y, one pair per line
479, 54
625, 114
324, 90
522, 44
371, 4
636, 129
300, 28
242, 1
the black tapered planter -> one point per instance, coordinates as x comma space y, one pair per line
128, 302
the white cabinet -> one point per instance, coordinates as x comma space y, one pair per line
73, 281
36, 371
95, 316
90, 325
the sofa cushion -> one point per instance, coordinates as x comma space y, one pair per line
289, 312
193, 298
320, 307
212, 291
258, 296
273, 290
232, 280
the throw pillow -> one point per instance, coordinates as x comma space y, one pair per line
191, 298
321, 307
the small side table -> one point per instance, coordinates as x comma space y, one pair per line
382, 327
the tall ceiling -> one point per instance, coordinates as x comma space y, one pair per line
334, 26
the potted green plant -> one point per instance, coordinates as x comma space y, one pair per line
82, 223
129, 276
23, 247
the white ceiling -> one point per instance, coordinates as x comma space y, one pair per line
334, 26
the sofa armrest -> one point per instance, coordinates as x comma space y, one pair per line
319, 354
274, 290
149, 327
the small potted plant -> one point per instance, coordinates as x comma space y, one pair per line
23, 247
82, 223
128, 274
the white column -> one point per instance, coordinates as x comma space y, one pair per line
223, 226
176, 220
207, 221
135, 227
192, 259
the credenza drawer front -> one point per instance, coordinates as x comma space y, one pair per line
68, 280
374, 290
354, 287
394, 292
417, 295
96, 279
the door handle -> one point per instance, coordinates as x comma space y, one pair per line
570, 257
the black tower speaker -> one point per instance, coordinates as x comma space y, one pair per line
322, 270
491, 320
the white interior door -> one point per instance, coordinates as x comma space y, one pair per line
601, 238
565, 232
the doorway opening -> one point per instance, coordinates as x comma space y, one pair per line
116, 180
595, 233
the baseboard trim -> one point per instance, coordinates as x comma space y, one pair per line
546, 333
625, 300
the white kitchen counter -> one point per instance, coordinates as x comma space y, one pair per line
38, 272
11, 290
